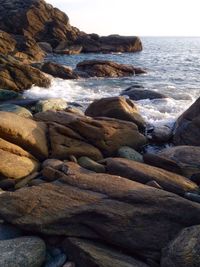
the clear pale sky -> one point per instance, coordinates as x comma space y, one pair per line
134, 17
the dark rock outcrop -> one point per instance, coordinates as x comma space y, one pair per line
116, 107
187, 128
89, 254
183, 251
17, 76
24, 23
105, 68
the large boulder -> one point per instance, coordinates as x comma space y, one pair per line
26, 133
183, 251
187, 128
108, 135
136, 218
89, 254
186, 157
23, 251
144, 173
116, 107
18, 76
15, 163
105, 68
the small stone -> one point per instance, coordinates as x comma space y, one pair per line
26, 180
36, 182
69, 264
51, 104
8, 231
73, 158
56, 261
8, 94
18, 110
6, 184
91, 165
129, 153
154, 184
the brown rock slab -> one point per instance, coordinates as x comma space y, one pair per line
116, 107
144, 173
101, 207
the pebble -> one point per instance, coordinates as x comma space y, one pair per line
91, 165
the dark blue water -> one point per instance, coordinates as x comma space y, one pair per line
173, 68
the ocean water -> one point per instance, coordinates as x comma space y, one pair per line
173, 68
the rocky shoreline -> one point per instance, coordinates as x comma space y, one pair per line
78, 189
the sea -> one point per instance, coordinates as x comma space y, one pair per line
173, 68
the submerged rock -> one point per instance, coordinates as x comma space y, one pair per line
116, 107
105, 68
139, 94
8, 94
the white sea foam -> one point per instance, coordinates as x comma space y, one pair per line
155, 112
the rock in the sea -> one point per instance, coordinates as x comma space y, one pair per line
161, 134
139, 94
116, 107
51, 104
106, 135
65, 49
18, 76
18, 110
8, 94
184, 250
129, 153
58, 70
24, 132
144, 173
22, 252
187, 127
15, 162
89, 254
90, 164
187, 158
93, 43
105, 68
113, 210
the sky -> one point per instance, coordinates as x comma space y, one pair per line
134, 17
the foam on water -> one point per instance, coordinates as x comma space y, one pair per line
173, 69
